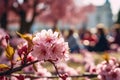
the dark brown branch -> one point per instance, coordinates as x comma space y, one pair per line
74, 76
55, 67
10, 71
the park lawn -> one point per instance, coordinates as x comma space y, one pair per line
77, 65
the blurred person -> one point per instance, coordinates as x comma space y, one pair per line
64, 33
81, 32
73, 41
102, 43
89, 40
116, 37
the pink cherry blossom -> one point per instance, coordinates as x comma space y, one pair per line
17, 42
88, 60
2, 33
108, 70
3, 78
64, 68
42, 72
49, 45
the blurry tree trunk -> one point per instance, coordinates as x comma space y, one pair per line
3, 13
20, 10
25, 26
3, 21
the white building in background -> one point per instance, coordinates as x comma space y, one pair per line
103, 14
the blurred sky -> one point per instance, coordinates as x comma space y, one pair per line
115, 4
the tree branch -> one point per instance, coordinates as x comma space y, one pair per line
74, 76
10, 71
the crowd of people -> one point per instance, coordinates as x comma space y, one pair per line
85, 39
100, 41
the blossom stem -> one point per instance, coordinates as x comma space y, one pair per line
63, 77
55, 67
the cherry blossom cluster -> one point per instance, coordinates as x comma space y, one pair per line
42, 46
49, 45
107, 70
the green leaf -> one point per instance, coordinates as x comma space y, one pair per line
3, 66
10, 52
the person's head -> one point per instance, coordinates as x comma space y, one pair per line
117, 28
100, 29
70, 32
87, 34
